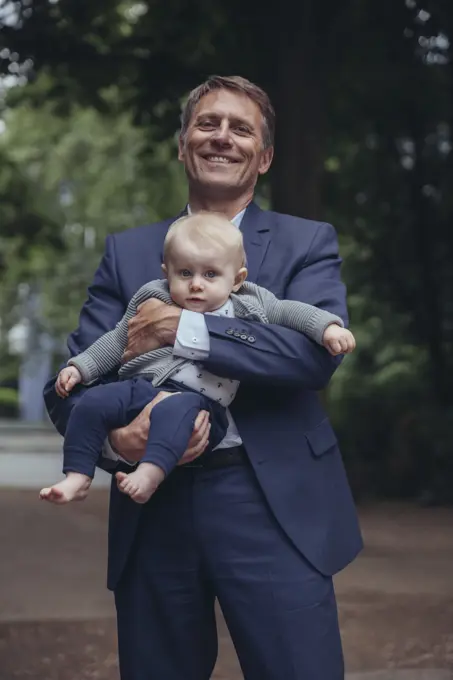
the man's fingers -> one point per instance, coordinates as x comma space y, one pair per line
158, 398
202, 442
150, 304
200, 435
199, 445
125, 357
199, 439
145, 414
194, 452
201, 421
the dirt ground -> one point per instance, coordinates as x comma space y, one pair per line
57, 619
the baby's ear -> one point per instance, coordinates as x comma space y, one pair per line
239, 279
164, 269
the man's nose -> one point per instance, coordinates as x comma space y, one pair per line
222, 135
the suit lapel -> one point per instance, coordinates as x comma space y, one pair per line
256, 233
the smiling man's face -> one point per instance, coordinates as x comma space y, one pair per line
222, 150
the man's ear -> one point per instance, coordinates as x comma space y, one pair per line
239, 279
180, 148
266, 160
165, 270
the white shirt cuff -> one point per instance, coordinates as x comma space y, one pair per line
192, 337
108, 452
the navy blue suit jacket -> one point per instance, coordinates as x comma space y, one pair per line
287, 435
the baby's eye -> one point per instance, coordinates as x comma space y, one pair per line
210, 274
185, 272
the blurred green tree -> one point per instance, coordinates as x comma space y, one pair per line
67, 182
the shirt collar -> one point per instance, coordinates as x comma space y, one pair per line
225, 310
237, 219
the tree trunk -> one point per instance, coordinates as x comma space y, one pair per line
299, 101
430, 308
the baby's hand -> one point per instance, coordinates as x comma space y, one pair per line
338, 340
68, 378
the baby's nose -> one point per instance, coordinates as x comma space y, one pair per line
196, 283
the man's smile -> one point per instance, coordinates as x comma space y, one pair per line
215, 158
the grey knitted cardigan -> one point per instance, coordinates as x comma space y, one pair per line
251, 302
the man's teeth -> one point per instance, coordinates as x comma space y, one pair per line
219, 159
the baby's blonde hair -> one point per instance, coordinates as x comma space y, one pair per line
205, 227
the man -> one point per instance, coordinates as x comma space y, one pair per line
263, 522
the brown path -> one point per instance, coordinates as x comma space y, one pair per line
56, 618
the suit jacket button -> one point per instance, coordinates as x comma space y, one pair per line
236, 334
229, 331
251, 338
243, 336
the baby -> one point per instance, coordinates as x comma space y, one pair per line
205, 267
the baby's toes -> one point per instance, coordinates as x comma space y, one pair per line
125, 484
132, 488
140, 496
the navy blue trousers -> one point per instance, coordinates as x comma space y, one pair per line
208, 534
106, 407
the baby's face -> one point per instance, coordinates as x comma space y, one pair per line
201, 279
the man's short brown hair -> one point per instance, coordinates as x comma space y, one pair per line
237, 84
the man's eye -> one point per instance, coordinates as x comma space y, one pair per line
206, 124
210, 275
185, 272
242, 129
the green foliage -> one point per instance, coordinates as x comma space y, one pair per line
79, 178
8, 397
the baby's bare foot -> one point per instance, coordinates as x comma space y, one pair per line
74, 488
142, 483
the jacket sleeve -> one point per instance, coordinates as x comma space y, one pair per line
268, 353
101, 312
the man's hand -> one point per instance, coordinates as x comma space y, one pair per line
199, 439
155, 325
130, 441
